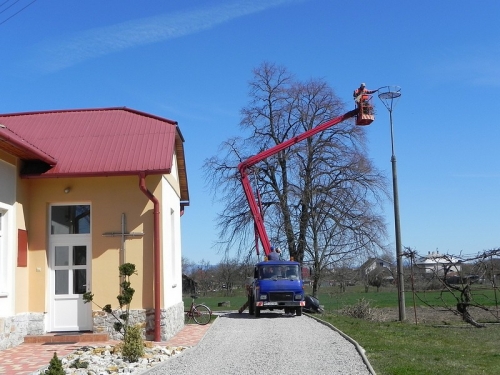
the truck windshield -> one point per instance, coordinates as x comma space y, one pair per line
279, 272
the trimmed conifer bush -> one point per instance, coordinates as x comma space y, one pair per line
55, 367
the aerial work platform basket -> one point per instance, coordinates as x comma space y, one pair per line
366, 112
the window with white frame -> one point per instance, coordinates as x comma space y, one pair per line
3, 252
173, 249
74, 219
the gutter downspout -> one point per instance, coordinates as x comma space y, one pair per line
156, 252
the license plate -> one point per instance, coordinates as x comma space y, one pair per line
271, 303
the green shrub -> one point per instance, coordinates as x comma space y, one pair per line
79, 364
55, 367
124, 299
133, 345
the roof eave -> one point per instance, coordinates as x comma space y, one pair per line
97, 174
20, 143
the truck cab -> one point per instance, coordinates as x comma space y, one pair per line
277, 285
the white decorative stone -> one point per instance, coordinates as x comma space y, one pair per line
108, 362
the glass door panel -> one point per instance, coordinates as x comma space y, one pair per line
61, 282
61, 256
79, 281
79, 255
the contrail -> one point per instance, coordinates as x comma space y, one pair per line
55, 55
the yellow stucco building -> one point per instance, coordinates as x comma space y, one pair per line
81, 192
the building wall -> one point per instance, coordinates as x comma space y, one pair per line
24, 296
8, 237
15, 321
171, 255
109, 197
21, 273
173, 177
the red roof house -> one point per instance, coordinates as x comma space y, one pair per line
81, 192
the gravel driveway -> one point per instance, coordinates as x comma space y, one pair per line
272, 344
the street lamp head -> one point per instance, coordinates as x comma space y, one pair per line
388, 95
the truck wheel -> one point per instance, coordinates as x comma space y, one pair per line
257, 312
298, 311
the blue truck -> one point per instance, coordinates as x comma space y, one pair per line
276, 285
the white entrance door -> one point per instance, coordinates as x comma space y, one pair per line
70, 277
70, 260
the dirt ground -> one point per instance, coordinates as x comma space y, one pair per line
435, 316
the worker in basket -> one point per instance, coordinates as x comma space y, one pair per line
361, 97
361, 94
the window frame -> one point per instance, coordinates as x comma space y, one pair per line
6, 250
50, 226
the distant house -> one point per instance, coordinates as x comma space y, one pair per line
189, 286
373, 263
81, 192
306, 275
435, 264
376, 263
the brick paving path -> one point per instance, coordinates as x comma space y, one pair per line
26, 358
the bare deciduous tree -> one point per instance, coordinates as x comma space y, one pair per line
377, 276
203, 276
232, 273
320, 197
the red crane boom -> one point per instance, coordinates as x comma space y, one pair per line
243, 167
364, 116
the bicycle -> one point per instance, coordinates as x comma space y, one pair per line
200, 313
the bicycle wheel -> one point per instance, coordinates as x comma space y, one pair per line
202, 314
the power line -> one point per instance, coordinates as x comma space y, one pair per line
6, 1
10, 6
15, 14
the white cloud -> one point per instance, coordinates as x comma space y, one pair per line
55, 55
476, 175
476, 70
472, 68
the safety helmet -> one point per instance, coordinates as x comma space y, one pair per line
362, 85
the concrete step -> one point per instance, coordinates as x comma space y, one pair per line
66, 337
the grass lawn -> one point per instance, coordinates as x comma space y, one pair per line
332, 300
388, 297
409, 349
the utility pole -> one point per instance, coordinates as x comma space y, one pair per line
389, 96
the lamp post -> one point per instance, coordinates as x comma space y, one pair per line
389, 96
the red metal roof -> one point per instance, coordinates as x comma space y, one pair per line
93, 142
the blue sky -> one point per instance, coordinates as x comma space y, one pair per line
191, 61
